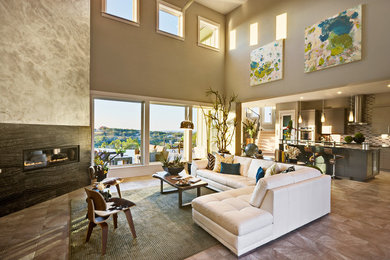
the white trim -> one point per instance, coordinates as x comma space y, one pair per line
136, 14
154, 100
212, 23
174, 10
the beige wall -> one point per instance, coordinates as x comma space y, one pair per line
137, 60
44, 58
374, 65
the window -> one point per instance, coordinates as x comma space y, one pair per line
117, 130
121, 10
253, 34
200, 134
267, 115
208, 33
170, 20
165, 133
281, 26
232, 40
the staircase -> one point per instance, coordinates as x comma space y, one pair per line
266, 143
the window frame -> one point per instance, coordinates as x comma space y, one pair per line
173, 10
142, 130
136, 13
212, 23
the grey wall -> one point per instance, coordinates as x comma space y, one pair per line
137, 60
374, 65
44, 62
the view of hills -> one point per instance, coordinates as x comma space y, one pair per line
106, 137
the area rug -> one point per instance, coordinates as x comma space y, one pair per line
164, 231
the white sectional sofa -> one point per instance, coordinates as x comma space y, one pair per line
247, 215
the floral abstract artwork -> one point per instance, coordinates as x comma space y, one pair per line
267, 63
334, 41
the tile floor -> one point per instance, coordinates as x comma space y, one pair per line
357, 228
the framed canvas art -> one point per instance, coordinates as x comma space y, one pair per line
267, 63
334, 41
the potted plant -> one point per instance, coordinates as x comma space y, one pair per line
218, 118
292, 153
348, 139
173, 167
251, 129
359, 138
102, 160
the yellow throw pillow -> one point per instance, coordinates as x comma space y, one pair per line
272, 170
220, 159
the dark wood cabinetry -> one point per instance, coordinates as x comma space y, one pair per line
336, 118
385, 159
380, 119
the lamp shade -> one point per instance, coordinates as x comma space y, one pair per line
186, 124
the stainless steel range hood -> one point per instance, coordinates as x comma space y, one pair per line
358, 111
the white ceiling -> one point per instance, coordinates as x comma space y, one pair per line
221, 6
345, 91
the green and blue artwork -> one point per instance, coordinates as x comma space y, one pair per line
334, 41
267, 63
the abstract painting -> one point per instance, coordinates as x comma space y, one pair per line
267, 63
334, 41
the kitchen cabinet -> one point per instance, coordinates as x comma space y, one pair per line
385, 159
380, 119
336, 119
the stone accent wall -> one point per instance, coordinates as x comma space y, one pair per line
44, 57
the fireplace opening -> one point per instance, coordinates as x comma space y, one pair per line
48, 157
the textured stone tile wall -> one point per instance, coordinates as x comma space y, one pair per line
44, 62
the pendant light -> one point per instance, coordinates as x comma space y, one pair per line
351, 117
323, 112
187, 124
300, 113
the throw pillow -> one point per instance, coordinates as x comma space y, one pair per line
219, 159
259, 174
211, 161
289, 169
274, 169
230, 168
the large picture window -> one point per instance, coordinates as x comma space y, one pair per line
117, 131
122, 10
165, 133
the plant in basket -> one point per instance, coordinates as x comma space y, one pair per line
173, 167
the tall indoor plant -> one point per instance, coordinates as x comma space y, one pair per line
218, 119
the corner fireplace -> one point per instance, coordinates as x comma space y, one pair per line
48, 157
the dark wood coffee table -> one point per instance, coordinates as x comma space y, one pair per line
164, 177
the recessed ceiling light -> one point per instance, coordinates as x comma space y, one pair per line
301, 97
339, 92
388, 86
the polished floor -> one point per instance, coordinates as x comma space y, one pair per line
357, 228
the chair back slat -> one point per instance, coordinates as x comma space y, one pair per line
98, 201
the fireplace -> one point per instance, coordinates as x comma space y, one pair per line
48, 157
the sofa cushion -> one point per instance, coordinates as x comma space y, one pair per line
272, 170
266, 184
211, 161
260, 174
230, 180
232, 211
219, 158
230, 168
245, 163
304, 174
255, 164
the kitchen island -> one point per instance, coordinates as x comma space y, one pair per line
356, 163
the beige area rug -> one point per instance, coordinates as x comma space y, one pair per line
163, 230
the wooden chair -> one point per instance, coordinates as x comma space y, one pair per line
107, 181
99, 212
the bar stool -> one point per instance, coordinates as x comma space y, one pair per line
312, 158
333, 160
